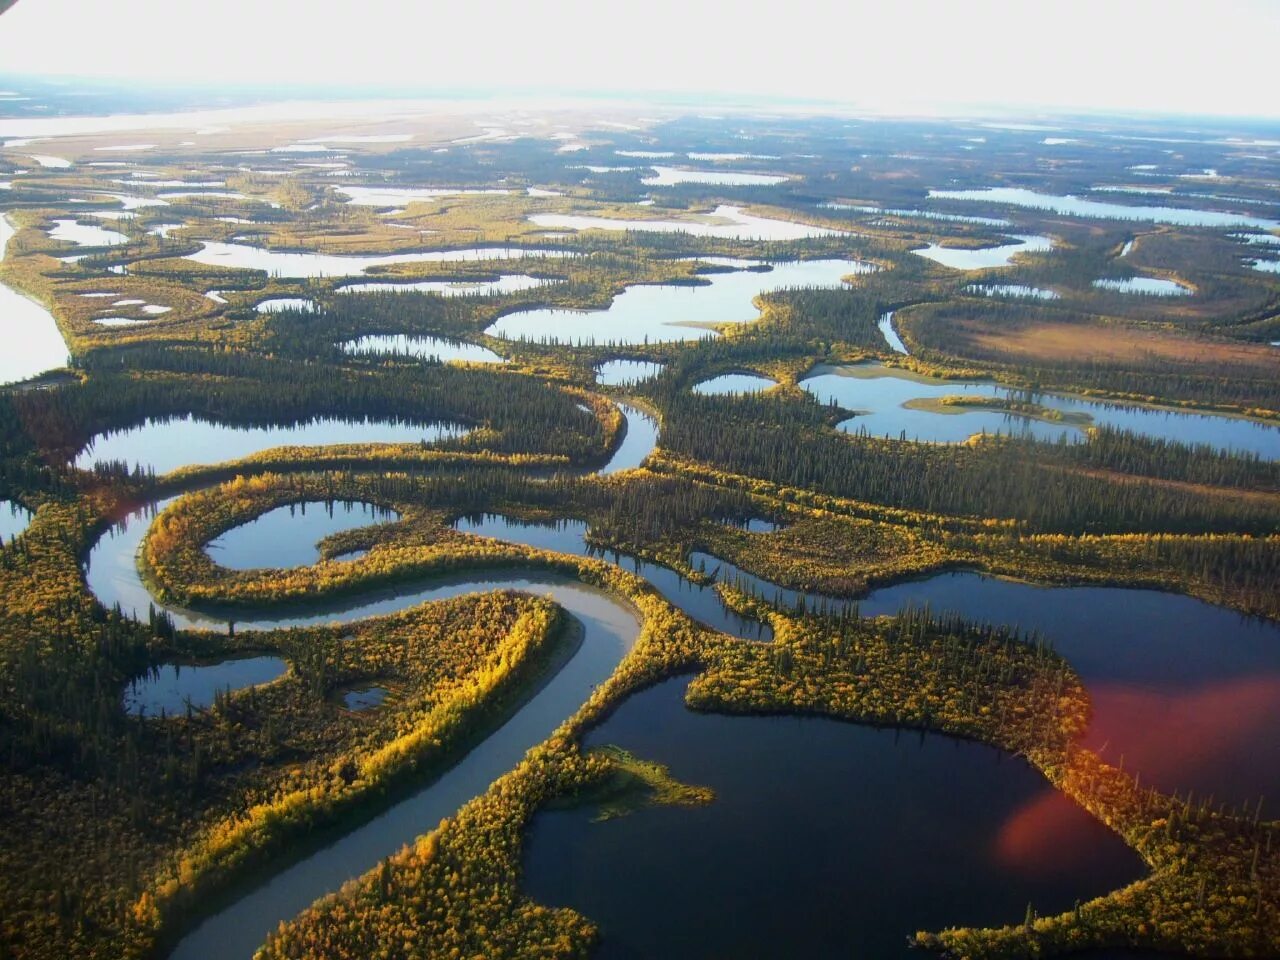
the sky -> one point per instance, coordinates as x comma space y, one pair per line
1162, 56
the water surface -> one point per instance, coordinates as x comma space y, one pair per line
666, 313
33, 342
626, 373
983, 258
825, 839
423, 348
724, 222
282, 263
670, 176
171, 687
164, 444
507, 283
881, 392
289, 536
1145, 287
731, 383
14, 519
1098, 209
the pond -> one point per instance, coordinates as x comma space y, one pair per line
33, 342
734, 383
847, 827
667, 313
289, 536
921, 214
506, 283
1145, 287
400, 196
627, 373
164, 444
283, 263
1014, 290
171, 687
984, 258
724, 222
85, 235
423, 348
670, 176
277, 304
14, 519
895, 403
1098, 209
365, 698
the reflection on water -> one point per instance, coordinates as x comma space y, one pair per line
960, 258
730, 383
672, 312
170, 688
14, 518
288, 536
844, 826
166, 444
1097, 209
424, 348
724, 222
626, 373
1145, 286
282, 263
880, 393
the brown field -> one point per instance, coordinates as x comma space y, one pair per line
1077, 341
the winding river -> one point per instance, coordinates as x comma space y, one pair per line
610, 628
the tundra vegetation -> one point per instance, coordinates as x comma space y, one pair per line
119, 831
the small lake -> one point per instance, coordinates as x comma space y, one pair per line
724, 222
289, 536
166, 444
85, 235
1012, 290
670, 176
667, 313
734, 383
916, 214
881, 392
1102, 210
33, 342
171, 687
845, 826
626, 373
281, 263
422, 348
1267, 266
985, 258
14, 519
1145, 287
278, 304
401, 196
507, 283
365, 698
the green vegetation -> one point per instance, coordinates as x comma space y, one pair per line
119, 831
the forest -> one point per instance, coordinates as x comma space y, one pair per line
461, 571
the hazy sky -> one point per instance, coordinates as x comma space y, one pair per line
1149, 55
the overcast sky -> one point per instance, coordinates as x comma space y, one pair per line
1144, 55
